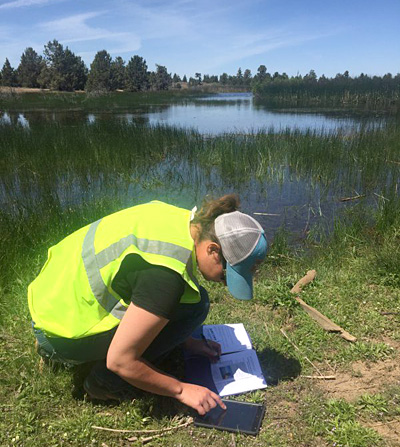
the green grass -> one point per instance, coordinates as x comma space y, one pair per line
55, 179
48, 408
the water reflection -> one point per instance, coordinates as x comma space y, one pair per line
5, 118
211, 115
237, 113
18, 119
21, 120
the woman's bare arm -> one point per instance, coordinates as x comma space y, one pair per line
138, 328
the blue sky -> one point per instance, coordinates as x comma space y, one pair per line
212, 37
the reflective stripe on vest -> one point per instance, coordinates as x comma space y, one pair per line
73, 297
94, 262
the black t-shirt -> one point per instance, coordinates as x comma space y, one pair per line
154, 288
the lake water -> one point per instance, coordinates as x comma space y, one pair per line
296, 201
239, 113
211, 115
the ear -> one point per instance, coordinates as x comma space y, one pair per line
213, 248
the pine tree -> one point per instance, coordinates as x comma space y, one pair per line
29, 68
161, 79
137, 77
8, 75
118, 73
99, 78
247, 77
223, 79
62, 70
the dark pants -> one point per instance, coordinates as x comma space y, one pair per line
186, 320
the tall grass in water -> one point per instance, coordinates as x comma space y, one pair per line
50, 164
52, 176
361, 160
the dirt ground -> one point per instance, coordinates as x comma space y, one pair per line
361, 379
29, 90
358, 379
21, 90
369, 378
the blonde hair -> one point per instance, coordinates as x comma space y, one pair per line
210, 210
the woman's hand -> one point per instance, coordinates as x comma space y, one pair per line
206, 348
200, 398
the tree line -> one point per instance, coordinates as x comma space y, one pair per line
60, 69
373, 91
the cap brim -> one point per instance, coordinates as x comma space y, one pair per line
239, 282
239, 278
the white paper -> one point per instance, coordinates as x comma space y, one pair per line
231, 337
238, 370
238, 373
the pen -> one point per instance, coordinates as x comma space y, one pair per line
208, 345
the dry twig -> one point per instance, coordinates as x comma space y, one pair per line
306, 358
156, 433
347, 199
320, 377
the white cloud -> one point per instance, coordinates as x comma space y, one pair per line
23, 3
76, 28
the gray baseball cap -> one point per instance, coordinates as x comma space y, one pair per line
243, 243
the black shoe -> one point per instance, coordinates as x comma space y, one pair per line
108, 386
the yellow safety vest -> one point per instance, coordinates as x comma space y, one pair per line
72, 297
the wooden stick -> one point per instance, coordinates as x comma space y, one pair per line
324, 321
321, 319
161, 430
347, 199
115, 430
310, 276
320, 377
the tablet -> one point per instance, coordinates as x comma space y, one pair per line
239, 417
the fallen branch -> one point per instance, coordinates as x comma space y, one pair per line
161, 430
115, 430
347, 199
321, 319
324, 321
320, 377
